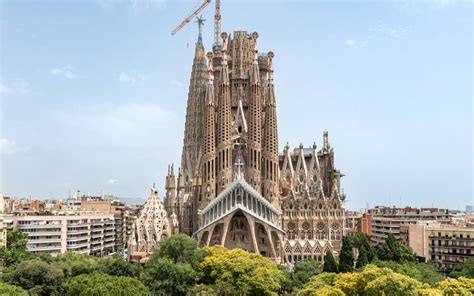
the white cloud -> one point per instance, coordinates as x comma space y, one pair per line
176, 83
66, 71
350, 42
131, 80
112, 181
8, 146
355, 44
15, 86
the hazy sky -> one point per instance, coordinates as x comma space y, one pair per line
93, 93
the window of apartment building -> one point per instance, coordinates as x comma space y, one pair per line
460, 236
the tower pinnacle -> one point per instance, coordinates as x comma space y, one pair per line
200, 21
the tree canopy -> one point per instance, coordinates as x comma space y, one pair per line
105, 285
15, 250
346, 257
37, 277
172, 267
6, 289
302, 273
466, 269
392, 250
246, 273
330, 264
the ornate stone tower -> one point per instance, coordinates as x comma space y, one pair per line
233, 188
152, 224
193, 131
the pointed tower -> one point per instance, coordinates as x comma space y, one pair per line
193, 130
254, 147
170, 186
270, 142
224, 123
209, 147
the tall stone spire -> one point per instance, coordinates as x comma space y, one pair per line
209, 147
224, 123
255, 121
270, 142
170, 186
193, 130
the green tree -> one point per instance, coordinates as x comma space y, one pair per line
317, 282
372, 280
105, 285
362, 259
466, 269
346, 257
180, 248
247, 273
303, 271
171, 269
37, 277
115, 265
165, 277
423, 272
6, 289
329, 291
15, 251
74, 264
330, 264
454, 287
360, 240
286, 284
392, 250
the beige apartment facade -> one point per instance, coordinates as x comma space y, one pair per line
396, 221
447, 245
87, 234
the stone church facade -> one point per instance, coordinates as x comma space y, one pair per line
233, 187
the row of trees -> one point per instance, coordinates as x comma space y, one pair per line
373, 280
180, 267
359, 244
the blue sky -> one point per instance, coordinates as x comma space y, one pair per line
93, 93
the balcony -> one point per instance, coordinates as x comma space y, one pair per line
39, 226
76, 239
44, 248
45, 240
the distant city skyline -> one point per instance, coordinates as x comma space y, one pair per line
93, 93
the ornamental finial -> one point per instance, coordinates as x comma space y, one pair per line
270, 56
210, 70
255, 37
200, 21
224, 45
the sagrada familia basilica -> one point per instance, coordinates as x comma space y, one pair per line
234, 187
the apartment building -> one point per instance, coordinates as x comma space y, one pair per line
92, 234
447, 245
387, 221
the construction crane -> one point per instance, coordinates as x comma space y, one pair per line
217, 19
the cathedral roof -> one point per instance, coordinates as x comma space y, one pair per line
239, 204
